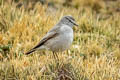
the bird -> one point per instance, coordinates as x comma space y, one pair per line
59, 38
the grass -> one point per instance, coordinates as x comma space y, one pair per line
94, 54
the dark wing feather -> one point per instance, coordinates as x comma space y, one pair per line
42, 41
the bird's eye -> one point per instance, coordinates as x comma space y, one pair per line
72, 18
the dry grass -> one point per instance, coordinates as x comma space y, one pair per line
94, 54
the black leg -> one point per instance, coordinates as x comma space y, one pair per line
57, 56
54, 55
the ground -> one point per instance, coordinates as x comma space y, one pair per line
94, 54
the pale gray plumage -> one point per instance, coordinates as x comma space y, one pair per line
59, 38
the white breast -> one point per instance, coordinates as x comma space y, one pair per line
67, 33
62, 41
65, 38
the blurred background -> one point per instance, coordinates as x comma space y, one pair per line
106, 6
94, 54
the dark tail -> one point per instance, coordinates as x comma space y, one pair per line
29, 52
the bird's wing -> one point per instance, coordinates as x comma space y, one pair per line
43, 40
46, 38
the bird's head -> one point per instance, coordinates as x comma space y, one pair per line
68, 20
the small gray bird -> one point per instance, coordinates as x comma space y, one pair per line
59, 38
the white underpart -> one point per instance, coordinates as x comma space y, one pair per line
62, 41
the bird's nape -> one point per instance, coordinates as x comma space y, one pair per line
68, 20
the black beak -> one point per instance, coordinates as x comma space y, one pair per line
75, 23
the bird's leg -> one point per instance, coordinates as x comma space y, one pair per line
54, 55
57, 56
56, 60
